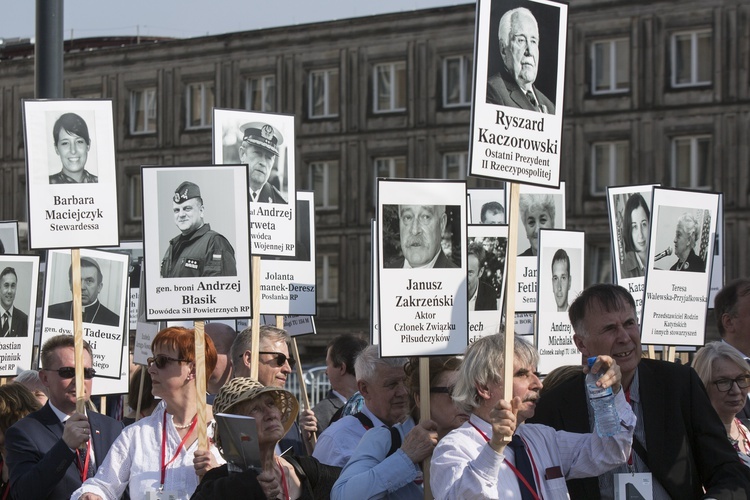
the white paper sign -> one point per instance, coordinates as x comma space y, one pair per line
295, 326
196, 240
18, 293
560, 281
674, 311
539, 208
486, 270
70, 168
104, 278
9, 237
422, 264
287, 284
264, 143
518, 98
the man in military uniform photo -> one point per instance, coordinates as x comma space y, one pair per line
258, 150
197, 251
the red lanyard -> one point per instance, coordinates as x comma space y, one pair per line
283, 480
83, 468
512, 467
164, 446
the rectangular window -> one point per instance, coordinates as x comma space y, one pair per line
328, 278
457, 81
324, 180
389, 83
324, 93
610, 66
143, 111
691, 58
609, 166
260, 93
200, 105
691, 162
135, 197
454, 165
392, 167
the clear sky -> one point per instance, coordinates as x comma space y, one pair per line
193, 18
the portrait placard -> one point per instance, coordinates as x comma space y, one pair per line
560, 280
374, 285
519, 73
288, 284
103, 386
629, 210
196, 238
683, 230
9, 238
487, 206
264, 143
295, 326
134, 250
104, 280
486, 271
538, 208
70, 172
144, 330
18, 296
717, 268
422, 266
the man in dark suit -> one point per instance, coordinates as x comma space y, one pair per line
259, 150
13, 322
685, 238
421, 230
91, 284
518, 35
482, 296
678, 438
47, 451
561, 279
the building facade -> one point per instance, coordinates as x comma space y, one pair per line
653, 94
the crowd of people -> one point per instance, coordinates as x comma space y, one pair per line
683, 429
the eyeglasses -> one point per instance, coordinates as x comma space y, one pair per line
161, 360
441, 390
281, 358
67, 372
725, 384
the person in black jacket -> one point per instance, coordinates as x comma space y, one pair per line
292, 476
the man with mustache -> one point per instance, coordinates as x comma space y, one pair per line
679, 440
91, 284
518, 35
421, 233
476, 460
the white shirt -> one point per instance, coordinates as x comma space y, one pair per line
465, 466
337, 443
135, 459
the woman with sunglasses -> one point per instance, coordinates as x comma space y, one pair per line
283, 477
158, 455
726, 375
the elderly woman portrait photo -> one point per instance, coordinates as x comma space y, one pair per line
72, 142
537, 212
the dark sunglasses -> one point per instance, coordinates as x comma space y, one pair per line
67, 372
441, 390
281, 358
161, 360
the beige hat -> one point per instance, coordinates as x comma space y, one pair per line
242, 389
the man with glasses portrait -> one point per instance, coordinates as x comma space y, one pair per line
53, 450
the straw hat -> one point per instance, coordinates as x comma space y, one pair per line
242, 389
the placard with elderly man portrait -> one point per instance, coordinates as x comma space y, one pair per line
264, 143
422, 267
519, 78
682, 237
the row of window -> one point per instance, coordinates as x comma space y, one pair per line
690, 62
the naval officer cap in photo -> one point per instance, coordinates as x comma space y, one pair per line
259, 150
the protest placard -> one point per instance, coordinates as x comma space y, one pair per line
9, 238
18, 300
487, 206
486, 270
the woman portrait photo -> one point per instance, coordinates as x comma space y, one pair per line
72, 143
537, 212
635, 230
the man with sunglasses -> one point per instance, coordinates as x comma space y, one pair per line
274, 366
51, 451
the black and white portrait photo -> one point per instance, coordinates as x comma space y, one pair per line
630, 220
19, 276
537, 211
688, 248
9, 237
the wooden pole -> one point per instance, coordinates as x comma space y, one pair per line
103, 405
651, 352
424, 414
200, 384
510, 294
255, 323
300, 376
140, 394
75, 266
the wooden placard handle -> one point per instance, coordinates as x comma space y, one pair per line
75, 266
200, 384
255, 322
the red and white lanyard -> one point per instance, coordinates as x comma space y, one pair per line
513, 468
164, 447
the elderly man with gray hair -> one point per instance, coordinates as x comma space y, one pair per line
476, 461
421, 229
685, 238
383, 385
